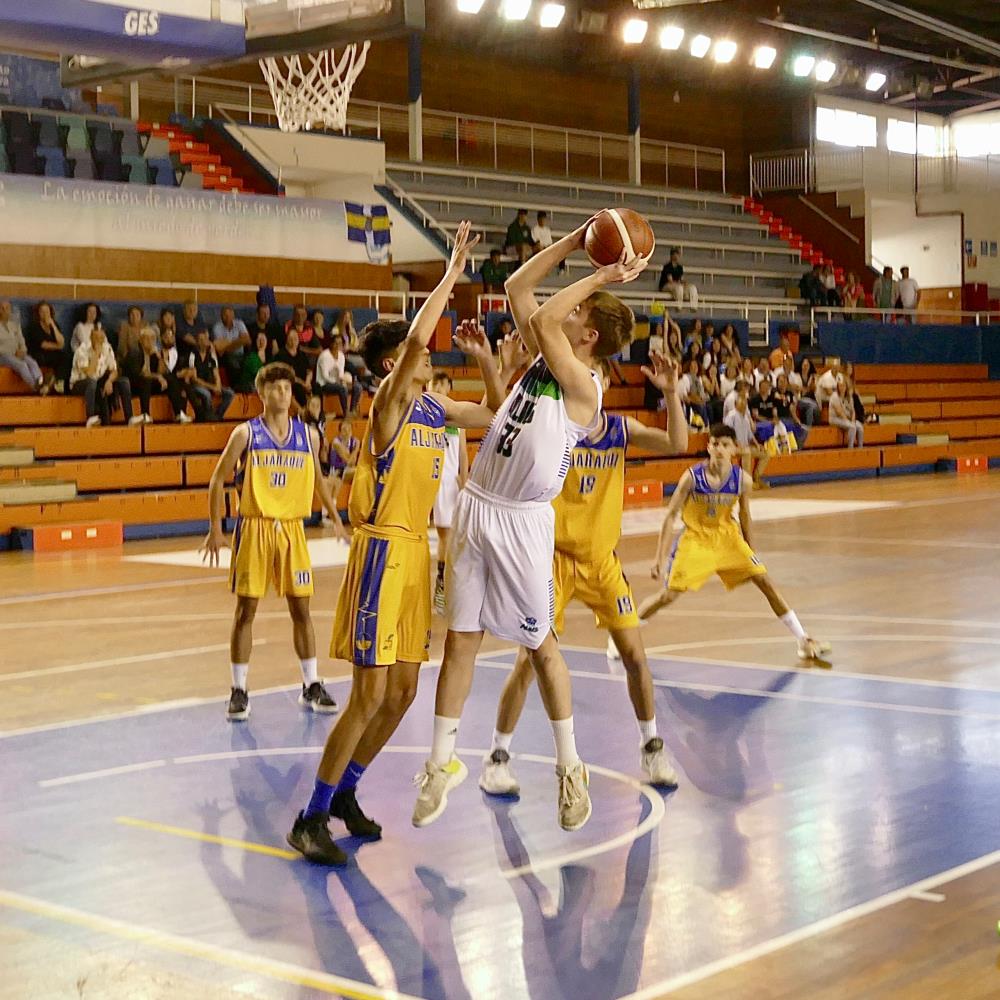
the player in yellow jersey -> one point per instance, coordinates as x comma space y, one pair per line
586, 566
280, 473
712, 542
383, 617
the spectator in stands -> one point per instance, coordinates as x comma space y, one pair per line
169, 365
909, 294
494, 273
826, 385
253, 361
829, 280
14, 351
729, 401
842, 414
782, 356
95, 377
674, 347
811, 287
300, 363
128, 334
852, 293
762, 402
785, 406
344, 451
203, 382
713, 392
167, 321
519, 242
729, 339
318, 321
694, 346
188, 326
304, 329
713, 354
852, 390
333, 379
728, 379
47, 345
885, 293
541, 236
672, 281
761, 372
264, 323
691, 392
746, 372
695, 332
89, 315
230, 340
804, 382
355, 364
142, 367
742, 422
501, 330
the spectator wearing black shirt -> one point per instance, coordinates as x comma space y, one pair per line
494, 274
47, 345
519, 241
300, 363
786, 405
203, 382
264, 323
811, 286
188, 324
672, 280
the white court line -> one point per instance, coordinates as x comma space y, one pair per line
811, 930
120, 661
128, 588
928, 897
911, 542
854, 637
244, 962
107, 772
180, 616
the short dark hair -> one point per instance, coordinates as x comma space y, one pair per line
276, 371
165, 311
522, 211
722, 431
380, 339
496, 252
442, 376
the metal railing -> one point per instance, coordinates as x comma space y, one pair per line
784, 170
926, 314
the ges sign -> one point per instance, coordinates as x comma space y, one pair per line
142, 22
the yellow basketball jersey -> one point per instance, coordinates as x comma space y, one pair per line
589, 508
397, 488
708, 510
278, 478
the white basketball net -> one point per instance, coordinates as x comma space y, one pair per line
313, 89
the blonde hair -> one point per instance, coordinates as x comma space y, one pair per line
613, 321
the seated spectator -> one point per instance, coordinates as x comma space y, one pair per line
343, 325
201, 375
852, 389
304, 329
829, 280
355, 364
691, 393
501, 331
742, 422
142, 365
318, 321
519, 242
811, 287
672, 281
494, 273
728, 379
713, 392
852, 293
804, 382
95, 377
782, 356
264, 323
333, 379
254, 360
541, 236
729, 400
674, 347
231, 341
89, 315
47, 346
301, 364
761, 372
826, 385
762, 403
344, 451
885, 293
786, 407
842, 414
188, 325
730, 341
313, 416
695, 332
747, 372
167, 321
128, 334
169, 365
14, 351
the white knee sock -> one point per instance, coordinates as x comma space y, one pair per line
445, 737
791, 622
240, 671
647, 730
309, 674
562, 731
501, 741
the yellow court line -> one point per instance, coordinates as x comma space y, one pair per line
243, 961
209, 838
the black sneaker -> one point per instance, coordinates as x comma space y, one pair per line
312, 840
317, 698
344, 806
239, 705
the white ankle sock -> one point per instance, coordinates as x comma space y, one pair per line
501, 741
791, 622
647, 730
309, 674
562, 731
445, 737
240, 671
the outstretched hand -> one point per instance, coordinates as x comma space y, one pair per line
464, 242
622, 274
214, 542
470, 338
513, 353
663, 373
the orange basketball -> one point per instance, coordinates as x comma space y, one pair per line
618, 235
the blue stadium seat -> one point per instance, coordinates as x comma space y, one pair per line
50, 134
138, 170
55, 161
163, 172
104, 140
4, 162
83, 166
130, 141
19, 127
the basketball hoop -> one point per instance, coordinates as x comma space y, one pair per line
315, 93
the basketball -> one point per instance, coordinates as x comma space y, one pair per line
618, 235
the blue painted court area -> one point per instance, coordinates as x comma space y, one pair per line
803, 794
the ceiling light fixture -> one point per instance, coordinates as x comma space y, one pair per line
764, 56
671, 37
551, 15
876, 81
634, 30
516, 10
470, 6
700, 44
803, 65
724, 51
825, 69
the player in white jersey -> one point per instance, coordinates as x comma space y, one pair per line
454, 473
499, 573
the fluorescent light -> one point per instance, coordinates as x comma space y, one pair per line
516, 10
763, 56
470, 6
803, 65
671, 37
825, 69
724, 51
875, 81
552, 15
634, 31
700, 44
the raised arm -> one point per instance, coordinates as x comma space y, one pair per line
667, 528
471, 339
674, 440
223, 472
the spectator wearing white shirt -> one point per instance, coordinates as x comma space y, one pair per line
826, 385
761, 372
729, 402
90, 315
541, 236
728, 379
742, 423
842, 415
95, 377
333, 379
909, 293
14, 351
691, 393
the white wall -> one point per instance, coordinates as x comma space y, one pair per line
930, 247
982, 222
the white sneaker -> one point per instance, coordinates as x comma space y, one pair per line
574, 798
810, 649
93, 421
434, 782
497, 777
146, 418
439, 606
183, 418
613, 653
132, 421
656, 765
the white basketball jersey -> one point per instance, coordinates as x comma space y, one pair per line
527, 450
452, 449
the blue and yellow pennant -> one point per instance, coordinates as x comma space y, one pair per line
369, 224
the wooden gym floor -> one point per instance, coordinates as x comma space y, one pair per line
834, 835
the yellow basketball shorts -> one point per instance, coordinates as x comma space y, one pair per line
693, 561
384, 606
602, 586
270, 553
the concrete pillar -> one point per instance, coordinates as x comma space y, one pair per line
634, 141
414, 97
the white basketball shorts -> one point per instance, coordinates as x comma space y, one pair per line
444, 503
499, 570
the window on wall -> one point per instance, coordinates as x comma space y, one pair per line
902, 137
975, 139
845, 128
